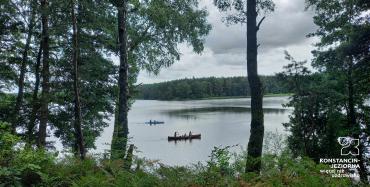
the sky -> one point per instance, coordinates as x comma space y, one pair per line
224, 54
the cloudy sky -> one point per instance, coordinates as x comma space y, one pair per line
224, 54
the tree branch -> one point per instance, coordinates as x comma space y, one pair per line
134, 44
260, 22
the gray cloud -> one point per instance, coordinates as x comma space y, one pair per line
224, 54
289, 24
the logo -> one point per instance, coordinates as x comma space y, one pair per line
349, 146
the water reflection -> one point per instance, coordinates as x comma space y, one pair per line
190, 141
191, 113
220, 122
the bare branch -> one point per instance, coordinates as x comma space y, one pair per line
260, 22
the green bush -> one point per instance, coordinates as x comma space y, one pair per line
31, 167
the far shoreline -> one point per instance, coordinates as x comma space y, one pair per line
216, 98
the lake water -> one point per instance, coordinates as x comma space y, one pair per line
221, 122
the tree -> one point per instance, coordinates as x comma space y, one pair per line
315, 123
198, 88
248, 13
339, 22
23, 68
77, 105
154, 28
96, 71
44, 101
10, 27
123, 78
19, 36
35, 98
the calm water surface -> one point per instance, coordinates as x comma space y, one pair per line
221, 122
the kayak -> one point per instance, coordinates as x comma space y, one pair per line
154, 122
184, 137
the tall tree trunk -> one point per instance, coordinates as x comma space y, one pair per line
119, 142
351, 116
44, 102
362, 162
257, 129
129, 156
77, 123
23, 69
351, 113
352, 121
35, 100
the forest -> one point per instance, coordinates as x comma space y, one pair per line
69, 70
212, 87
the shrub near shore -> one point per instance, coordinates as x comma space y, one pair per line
29, 167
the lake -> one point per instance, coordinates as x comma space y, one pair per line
221, 122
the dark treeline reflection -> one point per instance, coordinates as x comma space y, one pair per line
192, 112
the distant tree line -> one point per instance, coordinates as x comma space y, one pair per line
197, 88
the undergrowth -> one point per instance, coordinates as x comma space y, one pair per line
31, 167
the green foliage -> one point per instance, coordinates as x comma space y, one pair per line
237, 9
6, 104
274, 143
157, 27
10, 27
198, 88
287, 171
316, 122
220, 160
29, 167
7, 143
96, 25
21, 166
332, 103
96, 30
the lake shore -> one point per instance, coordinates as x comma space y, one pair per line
222, 97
